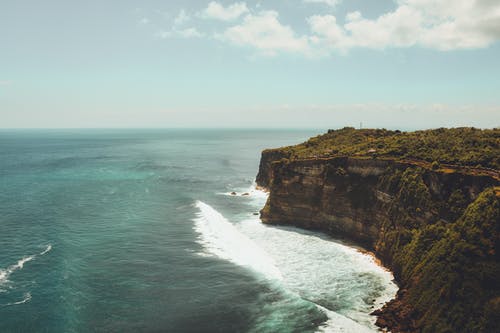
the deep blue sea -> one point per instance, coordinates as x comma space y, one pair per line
136, 231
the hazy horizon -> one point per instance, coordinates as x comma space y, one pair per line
97, 128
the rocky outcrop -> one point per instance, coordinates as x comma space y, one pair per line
337, 195
348, 196
269, 157
401, 211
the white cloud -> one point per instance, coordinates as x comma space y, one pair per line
326, 27
264, 32
179, 29
216, 11
331, 3
436, 24
353, 16
144, 21
181, 18
191, 32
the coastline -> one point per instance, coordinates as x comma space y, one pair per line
379, 302
415, 220
366, 263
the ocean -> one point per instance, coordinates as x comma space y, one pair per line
137, 231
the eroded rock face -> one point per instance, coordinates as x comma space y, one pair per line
337, 196
265, 171
345, 196
384, 205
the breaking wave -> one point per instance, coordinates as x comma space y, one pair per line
26, 299
221, 238
19, 265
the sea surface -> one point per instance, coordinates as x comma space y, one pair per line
136, 231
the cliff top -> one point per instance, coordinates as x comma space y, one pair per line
445, 149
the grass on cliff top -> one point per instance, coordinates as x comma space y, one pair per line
458, 146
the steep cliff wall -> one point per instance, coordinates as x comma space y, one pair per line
335, 195
269, 156
351, 197
407, 214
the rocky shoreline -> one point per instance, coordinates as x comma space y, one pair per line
406, 214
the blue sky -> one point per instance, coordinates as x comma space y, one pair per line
294, 63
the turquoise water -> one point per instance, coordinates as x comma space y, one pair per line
135, 231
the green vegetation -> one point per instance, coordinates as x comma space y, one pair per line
458, 146
450, 268
457, 278
439, 233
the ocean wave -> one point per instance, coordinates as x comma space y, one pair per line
5, 273
26, 299
338, 323
325, 272
49, 247
220, 238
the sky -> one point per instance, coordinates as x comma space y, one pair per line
405, 64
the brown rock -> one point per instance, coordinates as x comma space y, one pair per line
343, 196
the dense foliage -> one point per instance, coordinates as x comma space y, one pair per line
450, 268
458, 146
458, 277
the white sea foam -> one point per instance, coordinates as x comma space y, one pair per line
315, 268
27, 298
3, 278
248, 192
258, 197
219, 237
338, 323
20, 263
49, 247
5, 273
323, 271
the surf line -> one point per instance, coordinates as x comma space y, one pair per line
5, 273
27, 298
221, 238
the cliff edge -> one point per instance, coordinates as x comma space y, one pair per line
427, 203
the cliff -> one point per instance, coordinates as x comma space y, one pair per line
435, 225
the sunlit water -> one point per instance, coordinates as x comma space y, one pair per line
131, 231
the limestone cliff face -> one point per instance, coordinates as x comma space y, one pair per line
347, 196
338, 196
269, 157
385, 205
